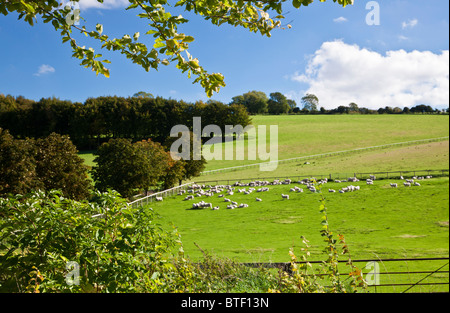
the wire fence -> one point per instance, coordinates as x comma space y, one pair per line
336, 176
418, 275
322, 155
159, 195
330, 177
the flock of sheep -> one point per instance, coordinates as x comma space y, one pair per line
195, 190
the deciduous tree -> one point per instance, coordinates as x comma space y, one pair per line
59, 167
310, 102
169, 44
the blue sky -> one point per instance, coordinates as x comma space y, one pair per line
329, 51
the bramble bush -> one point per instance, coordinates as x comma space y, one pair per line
120, 248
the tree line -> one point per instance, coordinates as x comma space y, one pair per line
53, 163
143, 116
97, 120
257, 102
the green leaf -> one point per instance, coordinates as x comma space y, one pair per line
188, 39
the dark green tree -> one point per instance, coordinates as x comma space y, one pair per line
17, 165
254, 101
277, 104
196, 163
59, 167
129, 168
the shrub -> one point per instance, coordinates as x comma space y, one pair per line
117, 248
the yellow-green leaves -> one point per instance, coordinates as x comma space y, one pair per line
255, 16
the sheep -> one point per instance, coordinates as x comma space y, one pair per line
429, 176
226, 200
202, 205
407, 184
231, 207
416, 184
285, 196
233, 202
190, 197
243, 205
394, 185
331, 190
216, 208
258, 199
159, 199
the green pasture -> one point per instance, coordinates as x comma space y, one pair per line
429, 156
378, 222
304, 135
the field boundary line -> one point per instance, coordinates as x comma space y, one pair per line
380, 175
163, 193
327, 154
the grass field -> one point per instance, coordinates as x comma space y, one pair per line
378, 222
305, 135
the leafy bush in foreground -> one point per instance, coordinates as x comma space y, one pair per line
117, 248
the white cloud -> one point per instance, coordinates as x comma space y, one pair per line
340, 20
402, 38
339, 73
410, 24
107, 4
44, 69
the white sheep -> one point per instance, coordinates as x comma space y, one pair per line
331, 190
159, 199
394, 185
416, 184
407, 184
285, 196
258, 199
